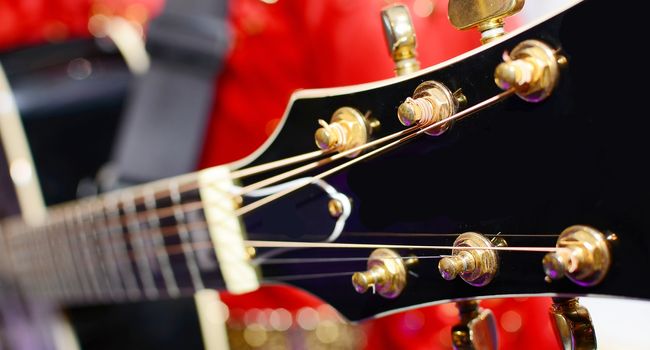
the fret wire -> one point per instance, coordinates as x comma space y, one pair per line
112, 213
78, 290
75, 250
49, 268
81, 234
189, 254
142, 260
94, 251
53, 263
118, 288
72, 282
43, 288
163, 259
60, 261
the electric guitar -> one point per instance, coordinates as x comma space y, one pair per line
437, 186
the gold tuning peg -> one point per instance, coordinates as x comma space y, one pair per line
431, 102
486, 15
573, 327
400, 37
477, 329
386, 273
584, 258
475, 266
532, 69
347, 129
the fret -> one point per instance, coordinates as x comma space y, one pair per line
183, 233
36, 267
77, 289
137, 242
86, 252
49, 267
119, 246
104, 246
16, 257
159, 242
59, 262
76, 254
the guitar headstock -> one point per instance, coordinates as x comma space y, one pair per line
458, 189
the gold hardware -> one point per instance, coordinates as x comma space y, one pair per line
487, 16
335, 207
347, 129
477, 329
475, 266
431, 103
400, 36
573, 326
584, 260
532, 69
386, 273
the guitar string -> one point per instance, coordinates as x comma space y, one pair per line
254, 205
460, 115
457, 116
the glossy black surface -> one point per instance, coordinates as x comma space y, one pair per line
517, 168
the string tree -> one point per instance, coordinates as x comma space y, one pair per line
584, 256
431, 102
488, 16
532, 69
348, 128
400, 37
477, 266
386, 273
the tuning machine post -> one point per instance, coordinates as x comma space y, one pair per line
477, 329
475, 266
486, 15
431, 102
347, 129
386, 273
584, 256
400, 37
532, 68
573, 327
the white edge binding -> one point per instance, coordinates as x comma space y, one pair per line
319, 93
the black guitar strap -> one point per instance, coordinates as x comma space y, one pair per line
162, 132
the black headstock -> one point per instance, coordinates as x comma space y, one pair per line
524, 170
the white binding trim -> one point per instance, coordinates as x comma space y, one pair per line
318, 93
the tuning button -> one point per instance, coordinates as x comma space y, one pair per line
584, 257
532, 69
573, 327
475, 266
486, 15
386, 273
400, 37
477, 329
431, 103
347, 129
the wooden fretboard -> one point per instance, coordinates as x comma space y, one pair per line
146, 242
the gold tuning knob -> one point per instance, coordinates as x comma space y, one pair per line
400, 37
573, 327
584, 258
486, 15
347, 129
475, 266
431, 102
477, 329
532, 69
386, 273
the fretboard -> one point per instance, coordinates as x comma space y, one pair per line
146, 242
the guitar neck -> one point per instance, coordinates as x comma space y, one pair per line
146, 242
